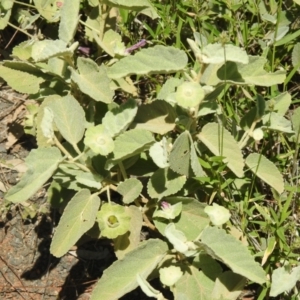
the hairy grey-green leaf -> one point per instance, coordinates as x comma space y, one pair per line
92, 80
296, 57
284, 279
221, 143
43, 50
165, 182
48, 9
78, 217
118, 119
179, 158
69, 17
265, 170
131, 143
42, 163
251, 73
158, 117
192, 219
142, 260
69, 118
20, 81
233, 253
130, 189
154, 60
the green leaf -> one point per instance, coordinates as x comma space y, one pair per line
296, 123
70, 122
118, 119
113, 220
194, 284
112, 43
192, 219
42, 163
142, 260
89, 180
157, 116
296, 56
265, 170
169, 87
280, 103
48, 9
130, 189
165, 182
180, 155
92, 80
5, 9
217, 53
22, 51
284, 279
189, 94
131, 239
252, 73
42, 140
221, 143
228, 286
170, 275
277, 122
98, 139
43, 50
154, 60
69, 17
159, 153
78, 217
20, 81
131, 143
232, 253
218, 215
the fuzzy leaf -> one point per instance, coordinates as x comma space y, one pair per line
221, 143
154, 60
37, 174
228, 286
252, 73
43, 50
296, 123
283, 280
157, 116
5, 9
192, 219
131, 143
69, 17
159, 153
78, 217
69, 118
180, 155
118, 119
216, 53
280, 103
218, 214
296, 57
131, 239
48, 9
142, 260
92, 80
20, 81
194, 284
42, 140
130, 189
232, 253
277, 122
265, 170
165, 182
